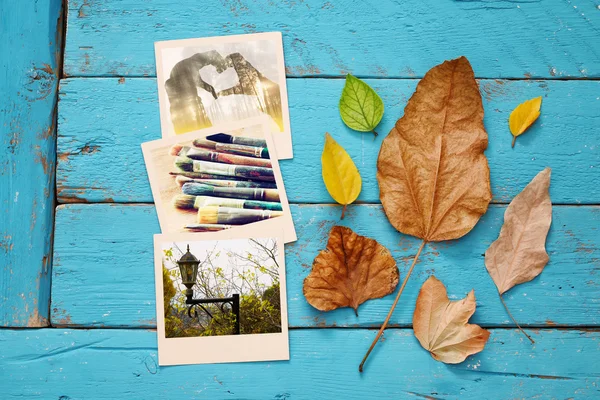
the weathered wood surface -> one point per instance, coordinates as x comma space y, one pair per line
116, 364
28, 85
102, 123
101, 250
383, 38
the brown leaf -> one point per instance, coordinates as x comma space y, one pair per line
434, 179
519, 253
441, 325
351, 270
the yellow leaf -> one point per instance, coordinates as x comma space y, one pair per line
523, 116
340, 175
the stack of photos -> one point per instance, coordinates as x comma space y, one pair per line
205, 82
220, 199
218, 178
226, 303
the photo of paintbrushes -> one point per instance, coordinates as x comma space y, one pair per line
187, 202
198, 189
239, 149
240, 171
245, 141
181, 180
215, 156
233, 216
207, 227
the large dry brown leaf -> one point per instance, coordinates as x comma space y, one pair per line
434, 179
519, 253
442, 327
351, 270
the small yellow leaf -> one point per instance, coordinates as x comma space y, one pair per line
340, 175
523, 116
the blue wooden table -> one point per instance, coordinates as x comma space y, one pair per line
77, 219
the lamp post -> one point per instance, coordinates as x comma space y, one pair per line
188, 267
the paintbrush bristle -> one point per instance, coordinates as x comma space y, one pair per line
184, 201
208, 215
176, 149
184, 164
220, 137
181, 180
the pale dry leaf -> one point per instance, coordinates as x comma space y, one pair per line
351, 270
442, 327
519, 253
434, 179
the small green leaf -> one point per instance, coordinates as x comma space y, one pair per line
361, 107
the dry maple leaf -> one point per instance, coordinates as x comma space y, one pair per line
519, 253
442, 327
434, 180
351, 270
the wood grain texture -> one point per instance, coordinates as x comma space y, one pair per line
103, 121
29, 65
115, 364
383, 38
103, 274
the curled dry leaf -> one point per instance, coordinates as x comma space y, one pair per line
523, 116
434, 180
351, 270
340, 174
442, 327
519, 253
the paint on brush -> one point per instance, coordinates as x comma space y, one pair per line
251, 151
245, 141
225, 158
233, 216
198, 189
239, 171
195, 202
181, 180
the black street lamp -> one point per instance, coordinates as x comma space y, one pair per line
188, 267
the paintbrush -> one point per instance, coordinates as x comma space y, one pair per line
239, 171
199, 175
261, 152
188, 202
245, 141
207, 227
233, 216
225, 158
226, 183
198, 189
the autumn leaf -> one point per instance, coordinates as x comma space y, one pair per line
340, 175
361, 108
434, 179
351, 270
523, 116
442, 327
519, 253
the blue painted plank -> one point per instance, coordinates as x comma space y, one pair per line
29, 64
103, 121
116, 364
103, 268
382, 38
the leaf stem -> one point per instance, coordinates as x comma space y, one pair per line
513, 142
387, 319
374, 133
344, 211
516, 323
